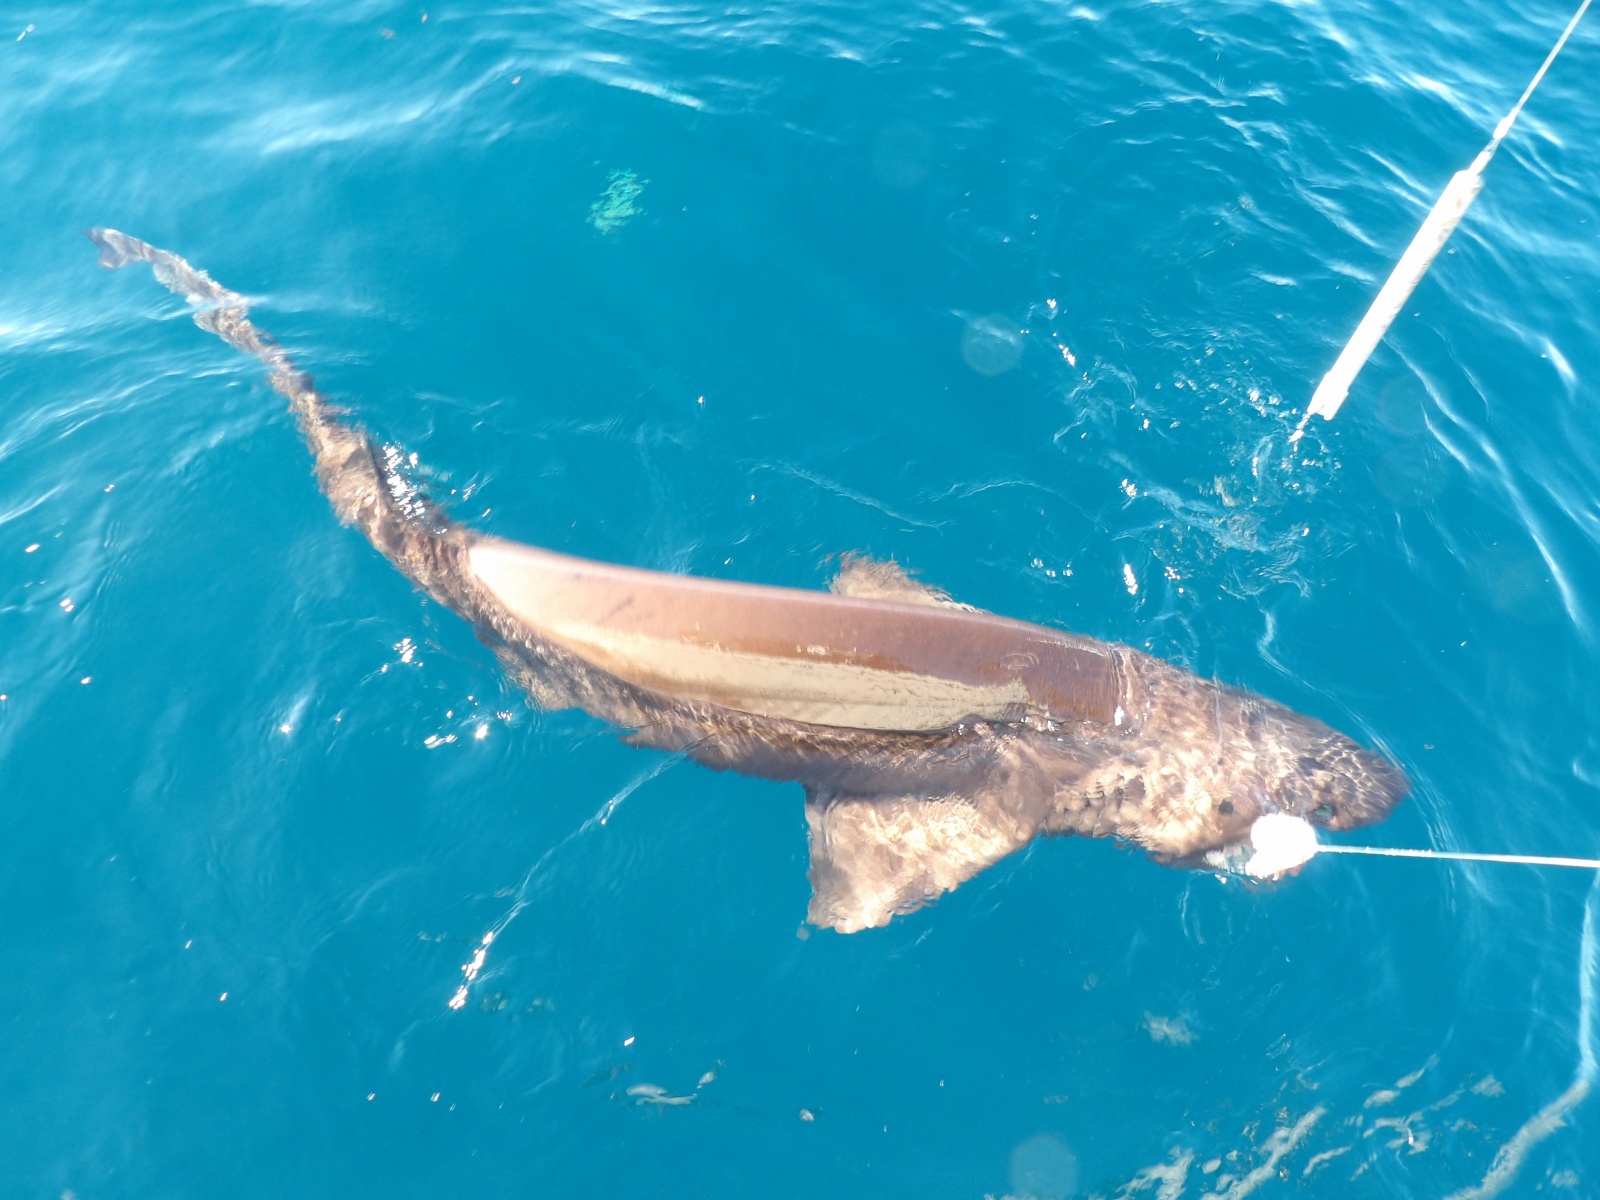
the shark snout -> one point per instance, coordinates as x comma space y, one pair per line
1348, 786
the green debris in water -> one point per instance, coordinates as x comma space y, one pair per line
618, 203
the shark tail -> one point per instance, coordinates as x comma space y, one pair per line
365, 482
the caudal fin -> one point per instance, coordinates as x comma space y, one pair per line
365, 483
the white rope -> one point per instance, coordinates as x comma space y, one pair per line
1505, 125
1283, 842
1436, 229
1532, 860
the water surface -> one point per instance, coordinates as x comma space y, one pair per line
1028, 296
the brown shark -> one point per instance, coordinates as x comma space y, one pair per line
931, 739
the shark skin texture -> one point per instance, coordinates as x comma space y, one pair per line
931, 739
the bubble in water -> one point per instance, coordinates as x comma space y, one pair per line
902, 155
1406, 462
1400, 406
1409, 472
991, 345
1044, 1168
1516, 580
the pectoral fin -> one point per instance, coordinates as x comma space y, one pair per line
875, 856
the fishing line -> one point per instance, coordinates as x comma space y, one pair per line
1436, 229
1283, 842
1534, 860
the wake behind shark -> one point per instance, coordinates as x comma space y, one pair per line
932, 739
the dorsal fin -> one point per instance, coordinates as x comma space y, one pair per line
873, 857
873, 579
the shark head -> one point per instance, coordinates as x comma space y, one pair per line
1211, 760
1330, 781
1286, 764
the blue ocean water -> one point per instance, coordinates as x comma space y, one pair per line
1028, 296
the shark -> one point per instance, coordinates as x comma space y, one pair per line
931, 739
